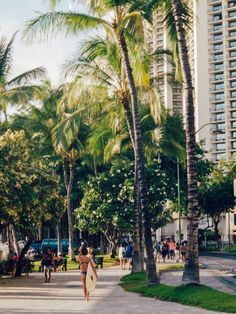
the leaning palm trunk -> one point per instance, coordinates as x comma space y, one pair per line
139, 160
191, 269
137, 244
69, 186
69, 212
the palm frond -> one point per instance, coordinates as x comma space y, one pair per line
47, 24
5, 57
28, 76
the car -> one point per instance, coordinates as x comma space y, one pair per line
36, 246
52, 243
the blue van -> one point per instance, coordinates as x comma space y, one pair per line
52, 243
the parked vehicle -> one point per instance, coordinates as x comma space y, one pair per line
36, 246
52, 243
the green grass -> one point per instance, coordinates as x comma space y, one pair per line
73, 265
171, 267
195, 295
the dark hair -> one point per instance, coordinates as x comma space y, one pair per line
84, 250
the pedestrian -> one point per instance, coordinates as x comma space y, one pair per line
164, 250
157, 251
177, 252
122, 256
84, 261
47, 264
129, 254
183, 249
172, 248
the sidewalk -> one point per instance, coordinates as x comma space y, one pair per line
64, 295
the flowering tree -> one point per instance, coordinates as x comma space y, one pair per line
28, 187
108, 202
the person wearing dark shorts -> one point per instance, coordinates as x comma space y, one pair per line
164, 250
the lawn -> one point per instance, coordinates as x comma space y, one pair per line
195, 295
73, 265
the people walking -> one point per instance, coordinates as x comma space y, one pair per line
84, 261
47, 264
122, 256
129, 254
157, 251
172, 248
164, 250
183, 249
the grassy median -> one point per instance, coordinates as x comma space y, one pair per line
195, 295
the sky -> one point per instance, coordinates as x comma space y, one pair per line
52, 54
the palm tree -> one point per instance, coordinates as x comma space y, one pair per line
120, 18
17, 90
99, 62
177, 18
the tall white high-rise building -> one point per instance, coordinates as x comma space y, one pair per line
212, 50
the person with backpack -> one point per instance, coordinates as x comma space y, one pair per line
129, 254
164, 250
47, 264
122, 256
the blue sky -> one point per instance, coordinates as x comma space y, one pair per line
13, 15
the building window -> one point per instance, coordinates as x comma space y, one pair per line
232, 33
233, 84
232, 64
220, 116
220, 156
219, 86
218, 57
219, 66
233, 134
232, 54
217, 7
233, 145
220, 126
232, 24
232, 73
235, 219
220, 136
218, 47
232, 13
219, 96
217, 17
218, 37
233, 94
220, 146
217, 27
232, 43
233, 114
231, 4
233, 124
220, 106
233, 104
220, 76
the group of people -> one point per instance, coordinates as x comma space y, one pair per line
169, 249
125, 255
50, 262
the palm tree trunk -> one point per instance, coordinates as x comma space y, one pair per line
59, 242
70, 211
20, 262
191, 269
10, 241
139, 157
137, 243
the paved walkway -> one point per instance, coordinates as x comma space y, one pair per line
64, 295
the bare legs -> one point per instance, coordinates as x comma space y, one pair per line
86, 293
47, 275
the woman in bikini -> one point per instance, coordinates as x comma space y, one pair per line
84, 261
